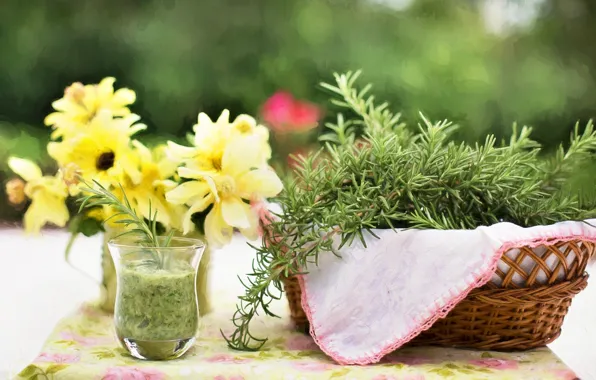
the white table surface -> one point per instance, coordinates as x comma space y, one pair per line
38, 288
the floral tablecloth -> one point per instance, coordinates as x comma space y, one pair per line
83, 346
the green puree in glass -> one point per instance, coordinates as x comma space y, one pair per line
155, 304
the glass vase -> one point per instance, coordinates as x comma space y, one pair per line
109, 278
156, 313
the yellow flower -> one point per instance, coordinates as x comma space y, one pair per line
81, 104
243, 176
101, 152
211, 138
47, 194
245, 125
148, 194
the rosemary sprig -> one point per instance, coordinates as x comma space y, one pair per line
96, 195
394, 178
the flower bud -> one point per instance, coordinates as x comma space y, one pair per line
75, 92
70, 174
15, 189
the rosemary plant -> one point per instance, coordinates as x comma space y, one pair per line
392, 178
124, 215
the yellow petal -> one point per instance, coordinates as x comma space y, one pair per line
244, 124
260, 182
104, 117
241, 155
252, 232
198, 206
143, 151
105, 89
235, 212
217, 232
224, 118
178, 153
68, 106
128, 164
204, 118
56, 152
186, 191
124, 96
45, 208
263, 132
167, 184
185, 172
53, 118
158, 208
27, 169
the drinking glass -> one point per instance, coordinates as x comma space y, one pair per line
156, 314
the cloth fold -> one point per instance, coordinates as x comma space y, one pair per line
370, 301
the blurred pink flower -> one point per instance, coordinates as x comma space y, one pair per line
133, 373
283, 113
565, 374
57, 358
236, 377
312, 366
224, 358
495, 363
301, 343
259, 207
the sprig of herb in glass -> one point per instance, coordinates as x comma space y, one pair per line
124, 215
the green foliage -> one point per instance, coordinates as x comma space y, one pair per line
395, 179
81, 224
186, 57
33, 372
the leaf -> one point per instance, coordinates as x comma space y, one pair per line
73, 224
486, 355
55, 368
66, 342
30, 370
265, 355
483, 370
339, 374
90, 227
104, 354
445, 372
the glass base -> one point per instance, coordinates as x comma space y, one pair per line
157, 349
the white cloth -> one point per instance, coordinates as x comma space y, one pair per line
373, 300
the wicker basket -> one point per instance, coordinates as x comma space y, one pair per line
510, 316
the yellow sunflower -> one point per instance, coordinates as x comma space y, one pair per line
81, 103
242, 176
47, 194
148, 193
102, 151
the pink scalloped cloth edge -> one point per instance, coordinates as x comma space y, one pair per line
438, 310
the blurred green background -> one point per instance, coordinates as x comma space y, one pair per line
483, 64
